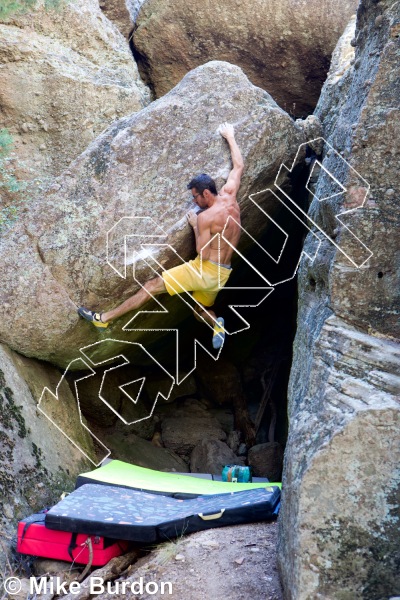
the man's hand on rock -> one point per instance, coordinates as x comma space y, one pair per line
226, 130
192, 218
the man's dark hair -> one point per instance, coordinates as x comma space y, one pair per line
203, 182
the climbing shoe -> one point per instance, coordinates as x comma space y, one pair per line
91, 316
219, 333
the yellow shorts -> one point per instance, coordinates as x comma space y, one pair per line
204, 282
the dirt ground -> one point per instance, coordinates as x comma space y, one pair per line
237, 562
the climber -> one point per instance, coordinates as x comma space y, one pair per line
210, 270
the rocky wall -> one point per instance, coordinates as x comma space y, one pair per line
340, 517
66, 74
284, 54
37, 462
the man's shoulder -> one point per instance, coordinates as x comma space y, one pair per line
228, 196
204, 217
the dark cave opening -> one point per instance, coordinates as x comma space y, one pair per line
249, 381
142, 64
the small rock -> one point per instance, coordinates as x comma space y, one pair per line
234, 440
239, 561
210, 544
8, 511
266, 460
22, 593
378, 21
210, 456
54, 568
242, 450
180, 557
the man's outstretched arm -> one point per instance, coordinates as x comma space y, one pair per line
232, 184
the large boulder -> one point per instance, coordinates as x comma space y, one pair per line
66, 74
55, 257
219, 381
181, 434
37, 462
266, 460
117, 11
282, 46
210, 456
134, 7
334, 92
125, 445
103, 400
339, 525
89, 390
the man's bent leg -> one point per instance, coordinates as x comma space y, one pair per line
207, 314
154, 286
200, 313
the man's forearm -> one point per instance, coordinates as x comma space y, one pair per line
196, 236
204, 251
236, 155
196, 233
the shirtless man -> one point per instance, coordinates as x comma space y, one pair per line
210, 270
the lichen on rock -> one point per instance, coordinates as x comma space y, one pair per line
37, 463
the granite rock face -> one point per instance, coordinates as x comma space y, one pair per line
334, 93
340, 512
266, 460
117, 11
181, 434
210, 456
125, 445
37, 462
134, 7
66, 74
132, 182
289, 57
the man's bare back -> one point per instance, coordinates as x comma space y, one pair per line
223, 218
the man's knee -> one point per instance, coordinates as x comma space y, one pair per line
155, 285
196, 313
199, 310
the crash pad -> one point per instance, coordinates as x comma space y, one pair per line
138, 516
123, 474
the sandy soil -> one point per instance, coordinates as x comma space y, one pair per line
231, 562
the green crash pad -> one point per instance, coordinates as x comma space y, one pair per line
125, 475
